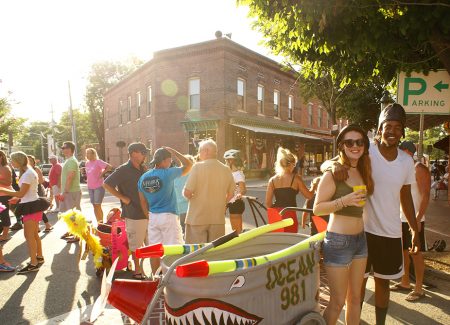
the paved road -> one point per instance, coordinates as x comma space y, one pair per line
64, 289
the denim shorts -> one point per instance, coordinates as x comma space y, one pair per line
340, 250
96, 195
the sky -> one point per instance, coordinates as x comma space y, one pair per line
47, 43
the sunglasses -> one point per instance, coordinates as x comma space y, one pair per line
349, 143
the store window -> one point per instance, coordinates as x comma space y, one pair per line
260, 95
319, 117
194, 94
195, 137
241, 94
120, 112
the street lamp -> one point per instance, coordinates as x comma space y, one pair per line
386, 99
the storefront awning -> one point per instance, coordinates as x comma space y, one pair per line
259, 129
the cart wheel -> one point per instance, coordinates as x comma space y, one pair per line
312, 318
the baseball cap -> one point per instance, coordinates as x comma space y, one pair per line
52, 157
408, 145
138, 147
160, 155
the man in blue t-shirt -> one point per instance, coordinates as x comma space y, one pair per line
157, 195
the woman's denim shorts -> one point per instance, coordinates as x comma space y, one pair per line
96, 195
340, 250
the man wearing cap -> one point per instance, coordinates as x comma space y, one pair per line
209, 187
54, 180
393, 174
157, 196
122, 183
421, 197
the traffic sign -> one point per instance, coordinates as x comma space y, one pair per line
428, 94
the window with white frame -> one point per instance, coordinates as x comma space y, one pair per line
194, 94
149, 100
138, 105
290, 107
241, 94
260, 96
129, 108
310, 114
319, 117
276, 103
120, 112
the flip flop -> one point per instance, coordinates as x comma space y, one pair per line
399, 288
5, 240
73, 240
47, 230
415, 296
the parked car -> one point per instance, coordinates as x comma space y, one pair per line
83, 177
46, 169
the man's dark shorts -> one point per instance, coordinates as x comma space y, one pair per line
407, 237
385, 257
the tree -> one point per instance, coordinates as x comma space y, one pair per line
104, 75
356, 39
9, 125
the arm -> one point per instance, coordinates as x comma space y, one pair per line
308, 194
125, 199
339, 171
269, 194
408, 209
242, 189
423, 179
186, 164
144, 203
107, 169
5, 177
188, 194
40, 176
20, 194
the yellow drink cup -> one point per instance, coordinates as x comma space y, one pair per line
358, 188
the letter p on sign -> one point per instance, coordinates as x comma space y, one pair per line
412, 83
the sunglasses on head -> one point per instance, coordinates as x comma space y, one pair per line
349, 143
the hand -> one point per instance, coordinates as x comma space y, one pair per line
238, 196
126, 200
415, 243
354, 198
340, 172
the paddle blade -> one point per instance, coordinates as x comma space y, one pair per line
100, 302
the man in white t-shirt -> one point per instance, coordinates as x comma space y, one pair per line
393, 173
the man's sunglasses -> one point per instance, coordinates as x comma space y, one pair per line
349, 143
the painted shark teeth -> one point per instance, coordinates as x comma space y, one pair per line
210, 316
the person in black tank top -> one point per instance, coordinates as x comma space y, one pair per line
285, 185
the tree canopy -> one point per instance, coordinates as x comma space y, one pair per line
8, 123
104, 75
356, 39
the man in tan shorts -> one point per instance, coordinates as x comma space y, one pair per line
209, 187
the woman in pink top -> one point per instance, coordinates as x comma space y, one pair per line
95, 170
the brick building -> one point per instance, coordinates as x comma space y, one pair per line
216, 89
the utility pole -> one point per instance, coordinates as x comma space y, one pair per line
72, 121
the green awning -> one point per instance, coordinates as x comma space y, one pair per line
280, 131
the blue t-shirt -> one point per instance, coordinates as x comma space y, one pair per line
158, 188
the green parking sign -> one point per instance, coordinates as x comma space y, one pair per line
428, 94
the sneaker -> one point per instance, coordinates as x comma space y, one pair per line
6, 268
29, 268
16, 226
40, 260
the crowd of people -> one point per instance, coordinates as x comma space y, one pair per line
374, 193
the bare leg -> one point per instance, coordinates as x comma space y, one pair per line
30, 228
406, 262
98, 212
137, 266
419, 267
5, 232
353, 300
155, 262
338, 282
236, 222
